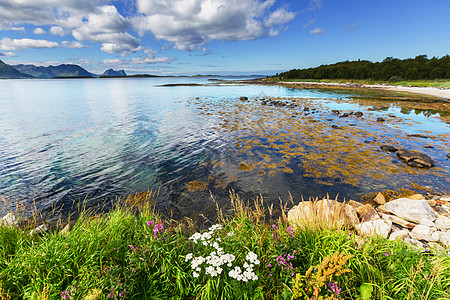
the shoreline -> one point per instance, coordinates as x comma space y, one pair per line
430, 91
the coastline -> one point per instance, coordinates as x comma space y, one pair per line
430, 91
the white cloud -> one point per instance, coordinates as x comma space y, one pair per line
8, 44
149, 59
188, 24
108, 27
316, 30
9, 54
72, 45
39, 30
57, 30
279, 17
309, 23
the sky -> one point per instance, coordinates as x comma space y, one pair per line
187, 37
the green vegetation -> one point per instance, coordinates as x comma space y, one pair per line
390, 69
133, 253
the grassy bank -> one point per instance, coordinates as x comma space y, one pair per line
438, 83
133, 253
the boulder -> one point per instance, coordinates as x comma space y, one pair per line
243, 98
323, 213
382, 209
442, 223
411, 210
426, 222
379, 199
399, 235
354, 204
388, 148
375, 227
415, 243
444, 238
358, 114
379, 119
415, 158
367, 213
422, 232
398, 221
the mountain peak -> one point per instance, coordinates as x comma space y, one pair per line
111, 72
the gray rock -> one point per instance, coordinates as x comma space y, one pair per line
411, 210
388, 148
442, 223
445, 198
422, 232
415, 158
375, 227
9, 220
436, 235
399, 235
367, 213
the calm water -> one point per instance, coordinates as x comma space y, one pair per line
63, 141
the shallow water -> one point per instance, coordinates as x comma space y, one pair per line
63, 142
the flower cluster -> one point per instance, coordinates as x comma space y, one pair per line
248, 273
217, 260
284, 262
290, 230
334, 288
67, 294
158, 229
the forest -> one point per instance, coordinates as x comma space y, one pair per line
390, 69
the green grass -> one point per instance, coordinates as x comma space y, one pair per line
439, 83
118, 253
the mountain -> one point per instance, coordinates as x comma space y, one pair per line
111, 72
6, 71
64, 70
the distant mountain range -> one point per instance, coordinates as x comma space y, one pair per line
64, 70
61, 71
6, 71
112, 73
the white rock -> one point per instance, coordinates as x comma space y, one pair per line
422, 232
442, 223
436, 235
445, 198
411, 210
445, 239
379, 226
9, 220
426, 222
415, 243
398, 220
39, 229
399, 235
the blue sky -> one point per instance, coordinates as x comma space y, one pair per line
175, 37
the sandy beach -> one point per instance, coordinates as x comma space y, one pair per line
431, 91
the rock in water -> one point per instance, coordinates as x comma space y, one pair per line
358, 114
415, 158
411, 210
379, 119
243, 98
388, 148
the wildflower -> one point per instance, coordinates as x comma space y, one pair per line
149, 223
290, 230
230, 233
387, 253
195, 274
334, 288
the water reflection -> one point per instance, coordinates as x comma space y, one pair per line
63, 141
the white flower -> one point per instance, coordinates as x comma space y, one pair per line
189, 256
195, 274
230, 233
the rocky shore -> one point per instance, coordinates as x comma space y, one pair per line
420, 220
431, 91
